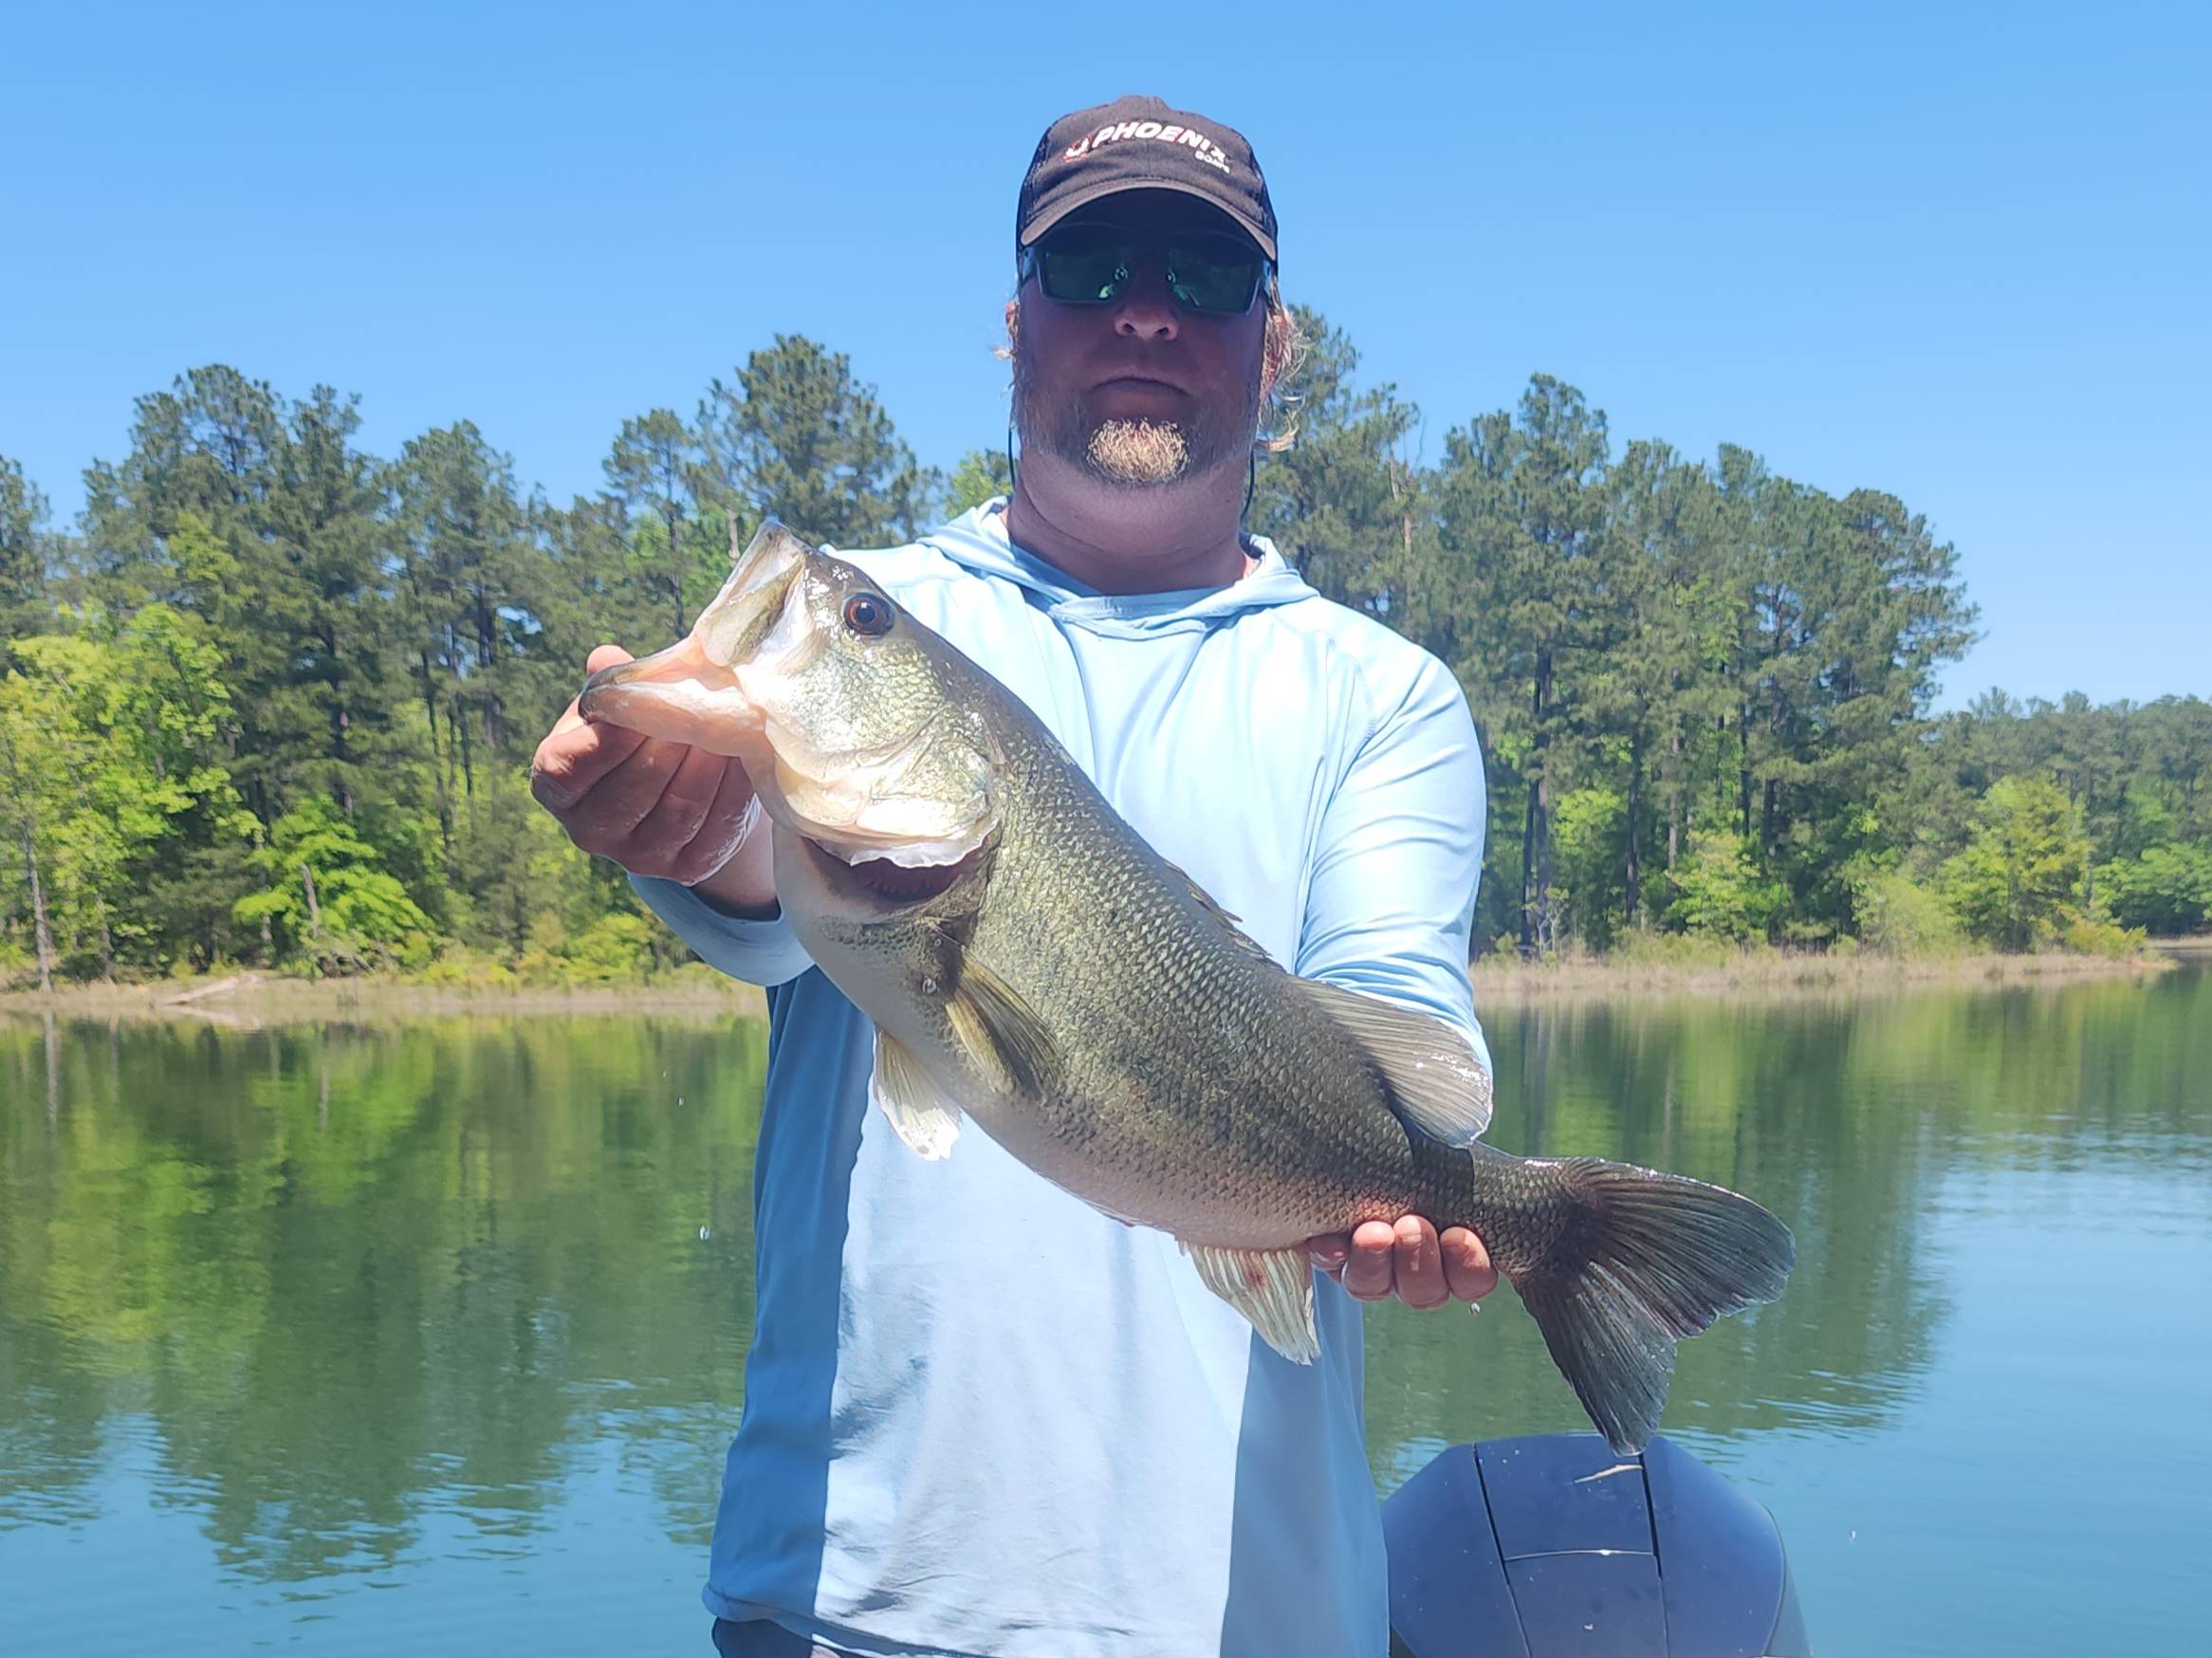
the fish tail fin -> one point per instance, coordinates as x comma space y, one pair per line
1644, 1259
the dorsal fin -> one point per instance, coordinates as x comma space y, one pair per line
1435, 1081
1233, 925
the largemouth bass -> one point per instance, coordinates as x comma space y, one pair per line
1029, 962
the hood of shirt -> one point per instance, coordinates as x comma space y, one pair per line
977, 541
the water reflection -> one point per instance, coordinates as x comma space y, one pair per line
359, 1307
343, 1278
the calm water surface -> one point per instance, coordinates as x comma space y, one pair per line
430, 1338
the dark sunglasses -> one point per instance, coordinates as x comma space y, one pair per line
1092, 263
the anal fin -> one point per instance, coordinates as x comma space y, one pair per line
918, 1109
1273, 1288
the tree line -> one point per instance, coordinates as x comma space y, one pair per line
271, 699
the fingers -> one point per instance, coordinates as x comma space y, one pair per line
602, 657
572, 762
730, 824
1370, 1266
655, 807
1409, 1260
1467, 1265
1419, 1264
577, 754
626, 796
698, 821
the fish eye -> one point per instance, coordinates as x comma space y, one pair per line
869, 614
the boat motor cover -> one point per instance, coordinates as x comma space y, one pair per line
1552, 1544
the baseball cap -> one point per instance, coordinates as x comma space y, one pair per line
1139, 144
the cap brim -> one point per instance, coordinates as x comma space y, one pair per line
1083, 198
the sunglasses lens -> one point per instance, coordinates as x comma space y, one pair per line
1212, 280
1089, 264
1083, 278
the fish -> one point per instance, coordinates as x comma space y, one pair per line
1031, 964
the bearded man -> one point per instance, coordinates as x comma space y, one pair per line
983, 1420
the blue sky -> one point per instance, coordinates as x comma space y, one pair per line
1960, 252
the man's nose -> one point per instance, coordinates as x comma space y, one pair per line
1143, 309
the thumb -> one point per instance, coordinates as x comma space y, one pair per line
605, 656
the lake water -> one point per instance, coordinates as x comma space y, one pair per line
429, 1339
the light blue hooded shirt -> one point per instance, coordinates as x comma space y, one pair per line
980, 1418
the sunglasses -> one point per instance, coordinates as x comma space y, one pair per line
1092, 263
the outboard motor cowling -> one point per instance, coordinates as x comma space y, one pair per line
1552, 1545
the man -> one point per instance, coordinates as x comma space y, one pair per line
981, 1417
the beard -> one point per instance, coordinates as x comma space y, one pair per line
1137, 454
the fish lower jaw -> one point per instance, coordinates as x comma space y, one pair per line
889, 878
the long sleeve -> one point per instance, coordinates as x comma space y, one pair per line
763, 952
1390, 904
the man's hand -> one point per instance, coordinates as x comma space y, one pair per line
655, 807
1409, 1260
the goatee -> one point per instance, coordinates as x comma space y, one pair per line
1133, 453
1138, 452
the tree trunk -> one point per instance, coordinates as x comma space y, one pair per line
1527, 929
340, 726
675, 567
1633, 884
1535, 835
460, 724
1674, 811
468, 763
38, 910
1744, 768
437, 759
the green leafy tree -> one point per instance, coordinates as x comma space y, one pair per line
23, 552
113, 754
980, 475
2018, 883
2164, 890
1520, 514
798, 439
326, 892
1343, 503
658, 466
1721, 893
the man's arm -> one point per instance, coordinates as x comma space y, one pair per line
1390, 910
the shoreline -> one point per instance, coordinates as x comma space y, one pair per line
1782, 973
252, 1000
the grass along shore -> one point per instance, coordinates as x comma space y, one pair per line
1676, 966
250, 1000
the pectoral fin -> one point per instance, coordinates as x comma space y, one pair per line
918, 1109
1001, 1030
1435, 1081
1272, 1288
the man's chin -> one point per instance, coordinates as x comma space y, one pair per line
1138, 453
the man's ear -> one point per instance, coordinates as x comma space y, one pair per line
1013, 329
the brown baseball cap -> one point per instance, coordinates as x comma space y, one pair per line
1139, 144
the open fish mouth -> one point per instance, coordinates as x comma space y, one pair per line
894, 882
694, 692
